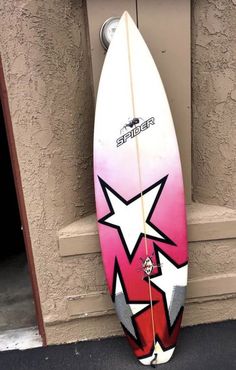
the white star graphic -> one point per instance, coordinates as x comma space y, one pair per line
132, 217
172, 282
161, 358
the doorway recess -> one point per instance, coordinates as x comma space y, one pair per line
16, 249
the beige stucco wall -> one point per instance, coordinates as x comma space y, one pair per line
47, 69
214, 101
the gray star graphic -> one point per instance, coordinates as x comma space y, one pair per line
124, 313
177, 301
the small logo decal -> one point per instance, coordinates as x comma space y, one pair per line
148, 266
135, 126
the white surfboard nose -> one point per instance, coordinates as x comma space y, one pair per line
126, 22
126, 17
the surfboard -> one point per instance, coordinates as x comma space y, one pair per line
140, 197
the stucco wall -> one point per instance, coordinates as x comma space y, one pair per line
214, 101
47, 71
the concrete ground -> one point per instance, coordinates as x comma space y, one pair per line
16, 300
202, 347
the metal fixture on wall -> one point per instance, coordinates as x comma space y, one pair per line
107, 31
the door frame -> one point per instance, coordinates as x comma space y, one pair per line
21, 202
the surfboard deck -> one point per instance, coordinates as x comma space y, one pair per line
140, 197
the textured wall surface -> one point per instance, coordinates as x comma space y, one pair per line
47, 71
214, 101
